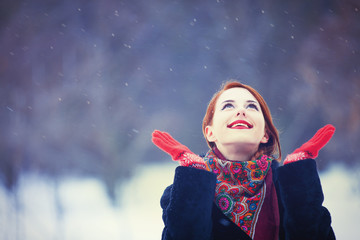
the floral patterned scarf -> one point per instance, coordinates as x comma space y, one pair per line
240, 189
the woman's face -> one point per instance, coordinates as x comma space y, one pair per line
238, 120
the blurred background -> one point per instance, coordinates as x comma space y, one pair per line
84, 83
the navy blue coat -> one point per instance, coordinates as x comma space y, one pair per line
189, 211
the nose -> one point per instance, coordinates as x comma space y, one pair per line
241, 112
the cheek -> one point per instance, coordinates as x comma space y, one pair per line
218, 120
216, 126
260, 122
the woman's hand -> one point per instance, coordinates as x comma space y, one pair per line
177, 151
311, 148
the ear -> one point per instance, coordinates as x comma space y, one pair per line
265, 138
209, 134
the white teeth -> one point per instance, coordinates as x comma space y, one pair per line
240, 124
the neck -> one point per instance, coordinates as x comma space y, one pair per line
237, 153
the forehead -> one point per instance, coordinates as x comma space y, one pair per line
236, 94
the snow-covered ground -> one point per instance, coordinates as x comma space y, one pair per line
76, 209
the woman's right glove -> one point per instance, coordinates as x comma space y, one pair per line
177, 151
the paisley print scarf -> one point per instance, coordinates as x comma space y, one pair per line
240, 189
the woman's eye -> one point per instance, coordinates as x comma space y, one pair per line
228, 105
253, 106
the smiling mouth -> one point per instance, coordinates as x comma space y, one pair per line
240, 124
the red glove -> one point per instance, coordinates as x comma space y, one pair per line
177, 151
311, 148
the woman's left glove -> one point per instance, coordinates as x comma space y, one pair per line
177, 151
311, 148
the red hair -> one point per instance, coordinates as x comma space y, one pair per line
273, 145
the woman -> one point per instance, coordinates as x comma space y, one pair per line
238, 190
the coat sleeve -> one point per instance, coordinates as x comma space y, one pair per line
187, 205
300, 196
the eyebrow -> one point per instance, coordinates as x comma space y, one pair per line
252, 101
227, 101
231, 101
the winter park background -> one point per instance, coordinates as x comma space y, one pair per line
84, 83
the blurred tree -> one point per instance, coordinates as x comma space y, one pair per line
83, 84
